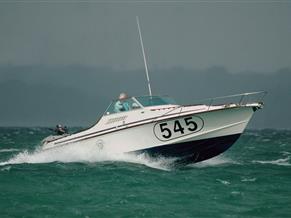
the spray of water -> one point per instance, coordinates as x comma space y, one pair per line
85, 154
213, 162
89, 153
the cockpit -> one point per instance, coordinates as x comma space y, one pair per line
133, 103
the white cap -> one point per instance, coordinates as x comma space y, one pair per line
122, 96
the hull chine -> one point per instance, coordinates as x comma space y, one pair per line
192, 151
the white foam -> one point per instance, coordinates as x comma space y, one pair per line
90, 154
85, 154
6, 168
224, 182
285, 153
215, 161
249, 179
8, 150
280, 162
236, 193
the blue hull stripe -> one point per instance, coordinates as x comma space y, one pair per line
193, 151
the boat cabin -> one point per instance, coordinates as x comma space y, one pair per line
133, 103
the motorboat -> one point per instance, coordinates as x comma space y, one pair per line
158, 127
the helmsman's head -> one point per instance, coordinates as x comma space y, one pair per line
122, 96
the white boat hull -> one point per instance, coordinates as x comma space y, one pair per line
190, 137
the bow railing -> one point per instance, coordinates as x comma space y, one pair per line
237, 99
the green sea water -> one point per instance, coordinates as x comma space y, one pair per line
252, 179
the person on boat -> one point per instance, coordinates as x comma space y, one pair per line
66, 129
122, 104
60, 130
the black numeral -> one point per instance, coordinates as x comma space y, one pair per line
189, 121
178, 127
165, 129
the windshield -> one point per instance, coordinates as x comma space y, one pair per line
133, 103
118, 106
147, 101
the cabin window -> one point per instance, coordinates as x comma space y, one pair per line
147, 101
122, 106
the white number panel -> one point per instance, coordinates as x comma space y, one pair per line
178, 127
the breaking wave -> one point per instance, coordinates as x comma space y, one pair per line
91, 154
85, 154
8, 150
279, 162
215, 161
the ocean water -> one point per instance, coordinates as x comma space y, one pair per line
252, 179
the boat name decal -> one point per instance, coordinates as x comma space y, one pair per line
176, 128
116, 119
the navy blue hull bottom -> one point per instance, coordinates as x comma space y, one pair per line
193, 151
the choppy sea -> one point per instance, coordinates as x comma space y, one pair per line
252, 179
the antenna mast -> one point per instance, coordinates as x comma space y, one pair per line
144, 57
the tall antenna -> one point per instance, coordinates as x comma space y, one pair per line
144, 57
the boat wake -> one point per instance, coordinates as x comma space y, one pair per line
89, 154
86, 154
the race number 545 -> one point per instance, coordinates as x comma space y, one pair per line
176, 128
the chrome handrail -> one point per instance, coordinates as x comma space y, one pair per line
212, 100
242, 96
236, 95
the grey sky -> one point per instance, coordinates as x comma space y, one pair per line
63, 62
238, 35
